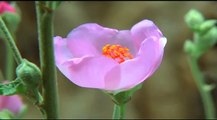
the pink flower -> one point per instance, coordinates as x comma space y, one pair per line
6, 7
93, 56
12, 103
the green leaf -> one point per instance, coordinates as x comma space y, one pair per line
11, 88
123, 96
131, 91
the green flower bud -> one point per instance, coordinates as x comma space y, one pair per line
11, 16
205, 34
207, 37
193, 48
12, 20
29, 73
208, 40
193, 19
189, 47
207, 25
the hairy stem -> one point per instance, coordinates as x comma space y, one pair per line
9, 65
10, 41
45, 34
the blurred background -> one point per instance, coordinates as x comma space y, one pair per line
170, 93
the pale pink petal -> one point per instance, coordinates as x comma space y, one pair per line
61, 50
143, 30
89, 39
88, 71
124, 38
112, 78
140, 68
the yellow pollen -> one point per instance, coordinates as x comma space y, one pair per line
116, 52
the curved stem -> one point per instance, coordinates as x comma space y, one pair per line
10, 41
206, 96
119, 111
45, 34
9, 72
9, 65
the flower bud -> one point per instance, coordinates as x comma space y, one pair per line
189, 48
208, 40
6, 7
11, 16
207, 26
205, 34
29, 73
193, 19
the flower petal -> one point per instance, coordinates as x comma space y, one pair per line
112, 78
143, 30
89, 71
89, 39
135, 71
61, 50
124, 38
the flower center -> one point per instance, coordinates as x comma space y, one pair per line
116, 52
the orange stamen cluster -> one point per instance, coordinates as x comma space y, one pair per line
116, 52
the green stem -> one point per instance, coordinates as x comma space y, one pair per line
45, 33
207, 100
10, 41
9, 64
9, 74
119, 111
